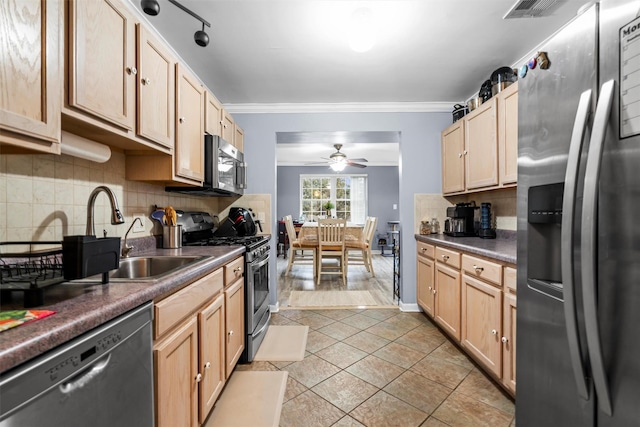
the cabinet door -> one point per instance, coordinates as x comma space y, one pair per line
156, 90
238, 139
508, 134
426, 290
447, 300
234, 314
481, 322
189, 153
509, 342
102, 60
176, 363
481, 144
453, 158
228, 128
213, 114
212, 355
31, 74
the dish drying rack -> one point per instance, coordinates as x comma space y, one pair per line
31, 271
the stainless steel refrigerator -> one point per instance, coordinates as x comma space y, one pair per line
578, 320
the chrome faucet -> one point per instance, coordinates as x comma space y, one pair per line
126, 248
116, 215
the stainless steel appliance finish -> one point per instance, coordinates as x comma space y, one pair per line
225, 172
579, 150
103, 378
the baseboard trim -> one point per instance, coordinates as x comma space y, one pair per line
274, 308
412, 308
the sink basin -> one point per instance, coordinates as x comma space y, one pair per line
150, 267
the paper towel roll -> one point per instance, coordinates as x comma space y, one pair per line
77, 146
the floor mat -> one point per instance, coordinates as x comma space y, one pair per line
261, 392
283, 344
331, 298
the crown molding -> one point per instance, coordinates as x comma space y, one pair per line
347, 107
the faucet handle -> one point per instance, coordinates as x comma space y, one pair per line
125, 250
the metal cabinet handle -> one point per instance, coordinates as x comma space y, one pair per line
478, 269
207, 365
182, 120
445, 257
504, 340
198, 377
567, 241
434, 291
423, 249
429, 287
494, 332
146, 81
237, 270
132, 70
230, 333
465, 152
459, 155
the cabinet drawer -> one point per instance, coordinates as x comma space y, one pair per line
169, 311
425, 249
233, 271
482, 269
448, 257
510, 281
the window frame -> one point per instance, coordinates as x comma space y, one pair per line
332, 191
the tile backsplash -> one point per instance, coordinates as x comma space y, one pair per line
44, 197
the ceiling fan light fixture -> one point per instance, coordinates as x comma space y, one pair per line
361, 34
338, 166
150, 7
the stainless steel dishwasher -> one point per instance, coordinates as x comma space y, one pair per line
102, 378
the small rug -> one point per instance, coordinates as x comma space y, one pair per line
330, 298
250, 399
283, 344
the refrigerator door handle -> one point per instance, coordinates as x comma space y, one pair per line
589, 245
568, 212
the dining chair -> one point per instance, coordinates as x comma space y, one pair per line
363, 246
331, 245
297, 247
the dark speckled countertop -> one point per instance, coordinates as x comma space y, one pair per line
82, 305
504, 248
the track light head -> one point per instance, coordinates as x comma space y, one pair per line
150, 7
201, 38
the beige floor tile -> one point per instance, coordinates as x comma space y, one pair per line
381, 313
293, 314
384, 410
451, 353
348, 422
386, 330
360, 321
366, 341
337, 314
342, 355
312, 370
433, 422
478, 386
375, 371
309, 410
281, 365
418, 391
256, 366
399, 354
443, 372
339, 330
345, 391
294, 388
404, 320
314, 321
277, 319
459, 410
317, 341
421, 341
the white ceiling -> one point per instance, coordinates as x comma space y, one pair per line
294, 55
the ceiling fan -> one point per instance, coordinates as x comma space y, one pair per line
338, 160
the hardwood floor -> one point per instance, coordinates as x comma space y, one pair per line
300, 278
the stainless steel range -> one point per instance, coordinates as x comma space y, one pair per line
198, 230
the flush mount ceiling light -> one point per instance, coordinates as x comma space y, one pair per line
151, 7
361, 34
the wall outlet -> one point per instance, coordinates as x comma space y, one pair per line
261, 216
138, 226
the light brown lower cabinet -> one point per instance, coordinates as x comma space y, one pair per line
447, 300
192, 347
425, 278
509, 342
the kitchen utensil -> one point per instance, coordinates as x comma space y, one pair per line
459, 112
171, 216
158, 215
485, 91
502, 78
474, 103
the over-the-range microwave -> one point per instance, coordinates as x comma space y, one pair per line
225, 173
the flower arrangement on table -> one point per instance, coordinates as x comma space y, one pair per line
327, 207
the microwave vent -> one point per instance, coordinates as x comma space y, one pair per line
532, 8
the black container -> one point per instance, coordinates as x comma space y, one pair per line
459, 111
485, 91
84, 256
486, 230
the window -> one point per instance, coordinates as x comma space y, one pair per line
347, 193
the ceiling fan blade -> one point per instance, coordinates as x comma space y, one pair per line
357, 165
359, 160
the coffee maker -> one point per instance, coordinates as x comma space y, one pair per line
460, 220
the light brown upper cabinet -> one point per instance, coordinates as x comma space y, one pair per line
31, 75
481, 146
238, 138
228, 126
189, 154
453, 158
102, 61
213, 115
156, 90
508, 135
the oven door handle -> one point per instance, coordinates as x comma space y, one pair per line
255, 265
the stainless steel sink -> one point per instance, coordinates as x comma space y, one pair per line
150, 267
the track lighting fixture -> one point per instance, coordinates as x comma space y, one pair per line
152, 7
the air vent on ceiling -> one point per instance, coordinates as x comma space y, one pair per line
532, 8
